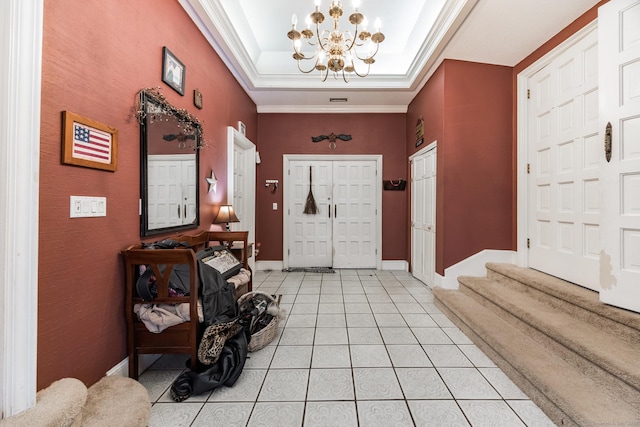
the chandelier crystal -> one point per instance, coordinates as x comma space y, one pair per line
336, 51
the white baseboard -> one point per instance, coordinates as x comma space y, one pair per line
473, 266
269, 265
144, 361
396, 265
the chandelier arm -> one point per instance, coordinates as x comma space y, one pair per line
311, 69
362, 75
319, 38
362, 58
353, 40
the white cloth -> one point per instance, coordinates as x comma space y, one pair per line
241, 278
158, 317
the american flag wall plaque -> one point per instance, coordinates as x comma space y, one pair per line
88, 143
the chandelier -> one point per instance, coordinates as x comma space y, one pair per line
336, 51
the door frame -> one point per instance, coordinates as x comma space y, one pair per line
287, 158
236, 139
522, 256
20, 108
423, 151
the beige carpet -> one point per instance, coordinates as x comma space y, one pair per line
577, 358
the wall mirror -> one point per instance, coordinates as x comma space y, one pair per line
169, 167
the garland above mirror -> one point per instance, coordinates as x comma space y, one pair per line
186, 120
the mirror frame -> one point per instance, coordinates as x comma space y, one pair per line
186, 120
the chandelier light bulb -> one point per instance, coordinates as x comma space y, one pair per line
307, 21
294, 20
378, 24
356, 4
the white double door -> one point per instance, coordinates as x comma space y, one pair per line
171, 190
584, 208
343, 233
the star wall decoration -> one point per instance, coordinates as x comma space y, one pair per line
212, 181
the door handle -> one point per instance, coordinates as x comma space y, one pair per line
335, 211
178, 211
607, 142
185, 211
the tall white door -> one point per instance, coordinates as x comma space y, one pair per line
342, 234
423, 215
619, 24
354, 214
310, 236
241, 183
563, 180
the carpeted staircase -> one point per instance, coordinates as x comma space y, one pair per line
577, 358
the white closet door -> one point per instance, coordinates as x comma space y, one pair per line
619, 29
423, 212
563, 153
310, 236
354, 222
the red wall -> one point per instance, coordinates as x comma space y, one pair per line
280, 134
467, 108
96, 56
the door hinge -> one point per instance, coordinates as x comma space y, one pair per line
528, 243
528, 167
528, 93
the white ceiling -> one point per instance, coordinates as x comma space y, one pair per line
251, 38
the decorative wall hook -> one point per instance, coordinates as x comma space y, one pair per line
332, 139
270, 182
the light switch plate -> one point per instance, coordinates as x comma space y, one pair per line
87, 206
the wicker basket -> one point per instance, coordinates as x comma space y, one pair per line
265, 335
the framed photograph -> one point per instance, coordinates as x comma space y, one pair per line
173, 71
88, 143
242, 128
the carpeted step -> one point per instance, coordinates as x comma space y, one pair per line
581, 342
560, 388
580, 302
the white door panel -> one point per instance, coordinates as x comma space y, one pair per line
354, 214
310, 236
620, 105
423, 209
563, 172
241, 184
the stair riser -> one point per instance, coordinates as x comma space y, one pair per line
547, 405
627, 392
631, 335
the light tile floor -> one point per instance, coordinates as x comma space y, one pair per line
358, 348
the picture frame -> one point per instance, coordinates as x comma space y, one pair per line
88, 143
242, 128
173, 71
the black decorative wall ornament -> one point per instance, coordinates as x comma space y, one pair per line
332, 139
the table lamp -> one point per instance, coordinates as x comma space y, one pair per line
226, 215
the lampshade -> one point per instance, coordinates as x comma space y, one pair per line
225, 215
